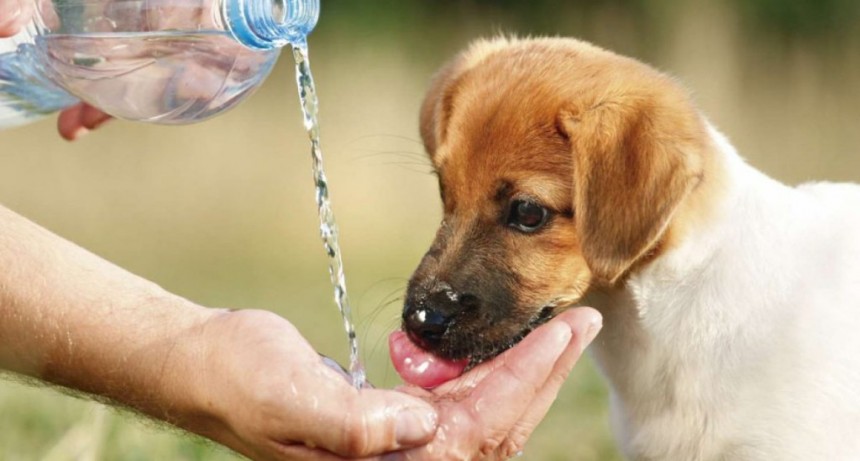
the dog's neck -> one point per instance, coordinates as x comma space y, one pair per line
682, 312
724, 225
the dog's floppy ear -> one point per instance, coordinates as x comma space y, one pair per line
634, 161
437, 105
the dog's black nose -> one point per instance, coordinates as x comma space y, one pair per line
426, 321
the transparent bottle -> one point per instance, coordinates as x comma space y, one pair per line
163, 61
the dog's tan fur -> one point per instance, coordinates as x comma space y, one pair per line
726, 295
587, 132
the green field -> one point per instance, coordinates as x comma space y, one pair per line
223, 212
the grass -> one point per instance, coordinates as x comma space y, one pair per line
223, 212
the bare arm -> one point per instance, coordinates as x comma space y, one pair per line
246, 379
74, 319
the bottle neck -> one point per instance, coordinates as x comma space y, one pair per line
267, 24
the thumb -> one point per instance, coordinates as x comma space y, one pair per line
370, 422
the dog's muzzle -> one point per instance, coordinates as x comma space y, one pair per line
428, 318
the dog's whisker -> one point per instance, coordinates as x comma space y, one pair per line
378, 311
392, 153
413, 168
385, 136
383, 336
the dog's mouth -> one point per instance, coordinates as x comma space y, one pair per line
420, 367
487, 351
430, 369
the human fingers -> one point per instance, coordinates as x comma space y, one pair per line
78, 120
14, 14
580, 323
289, 452
265, 392
480, 410
354, 423
517, 377
585, 323
471, 379
92, 118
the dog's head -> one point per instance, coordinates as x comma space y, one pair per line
561, 167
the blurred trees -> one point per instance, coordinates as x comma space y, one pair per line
802, 17
788, 18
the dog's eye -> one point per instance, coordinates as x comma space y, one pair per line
527, 216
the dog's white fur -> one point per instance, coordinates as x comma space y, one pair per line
743, 341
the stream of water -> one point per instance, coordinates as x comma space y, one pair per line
328, 226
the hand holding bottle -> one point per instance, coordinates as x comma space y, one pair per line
158, 61
75, 121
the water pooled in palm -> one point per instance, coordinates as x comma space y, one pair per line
328, 227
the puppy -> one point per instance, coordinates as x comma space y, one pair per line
731, 302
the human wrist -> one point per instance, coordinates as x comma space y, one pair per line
230, 389
77, 321
174, 368
143, 361
189, 380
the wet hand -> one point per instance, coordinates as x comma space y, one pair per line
263, 391
490, 412
259, 388
75, 121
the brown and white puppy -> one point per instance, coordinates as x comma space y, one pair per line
570, 174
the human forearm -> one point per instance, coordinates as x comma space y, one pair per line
247, 379
76, 320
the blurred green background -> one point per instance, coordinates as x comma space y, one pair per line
223, 212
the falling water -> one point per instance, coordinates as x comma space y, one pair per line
328, 227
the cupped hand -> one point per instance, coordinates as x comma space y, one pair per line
490, 412
262, 390
75, 121
258, 387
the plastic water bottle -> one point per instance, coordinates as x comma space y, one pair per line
163, 61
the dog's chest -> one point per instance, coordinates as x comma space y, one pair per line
663, 395
679, 398
752, 358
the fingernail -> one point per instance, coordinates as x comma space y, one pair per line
414, 425
79, 133
593, 328
562, 335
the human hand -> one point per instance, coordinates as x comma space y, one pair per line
262, 390
14, 14
489, 412
259, 388
75, 121
246, 379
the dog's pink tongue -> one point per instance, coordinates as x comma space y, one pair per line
419, 367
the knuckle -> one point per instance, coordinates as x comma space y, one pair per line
511, 446
356, 436
527, 384
488, 447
